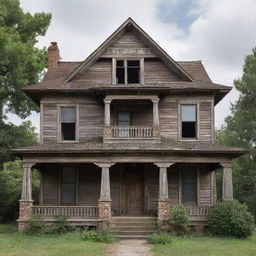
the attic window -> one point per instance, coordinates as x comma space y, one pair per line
68, 123
127, 72
188, 121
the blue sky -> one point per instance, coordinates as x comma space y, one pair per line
218, 32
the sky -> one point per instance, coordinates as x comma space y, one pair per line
218, 32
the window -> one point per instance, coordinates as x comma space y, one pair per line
68, 123
124, 118
127, 71
188, 121
189, 184
68, 185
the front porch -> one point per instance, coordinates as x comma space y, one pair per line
104, 190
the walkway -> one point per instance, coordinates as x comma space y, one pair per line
130, 248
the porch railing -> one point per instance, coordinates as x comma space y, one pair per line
69, 211
198, 211
141, 132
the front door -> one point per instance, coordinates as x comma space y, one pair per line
134, 190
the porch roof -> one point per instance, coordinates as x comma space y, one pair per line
146, 147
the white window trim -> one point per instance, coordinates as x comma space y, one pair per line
197, 104
76, 106
141, 60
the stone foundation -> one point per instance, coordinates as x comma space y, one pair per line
104, 209
24, 213
163, 210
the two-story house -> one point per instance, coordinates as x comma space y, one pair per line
127, 132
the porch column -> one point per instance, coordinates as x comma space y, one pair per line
105, 197
227, 184
107, 112
155, 112
26, 201
163, 200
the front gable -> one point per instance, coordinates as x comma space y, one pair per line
130, 41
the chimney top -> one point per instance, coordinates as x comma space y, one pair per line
53, 56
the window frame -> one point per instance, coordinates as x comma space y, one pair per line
76, 106
76, 185
141, 71
197, 202
189, 103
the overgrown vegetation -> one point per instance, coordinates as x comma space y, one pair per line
231, 218
37, 226
10, 189
99, 235
161, 238
178, 220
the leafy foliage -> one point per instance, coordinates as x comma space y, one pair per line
60, 226
178, 220
36, 225
240, 131
100, 235
231, 218
162, 238
10, 189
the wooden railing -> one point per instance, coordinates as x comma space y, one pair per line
198, 211
132, 132
69, 211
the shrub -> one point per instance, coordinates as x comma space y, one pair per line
162, 238
230, 218
36, 225
100, 235
61, 225
178, 220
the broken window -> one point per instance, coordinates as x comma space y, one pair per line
189, 121
127, 71
68, 123
189, 184
68, 185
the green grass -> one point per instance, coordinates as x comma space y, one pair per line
14, 243
207, 246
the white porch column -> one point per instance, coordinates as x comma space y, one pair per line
107, 112
26, 201
163, 198
155, 112
105, 197
227, 183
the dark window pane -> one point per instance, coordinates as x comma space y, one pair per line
68, 185
120, 63
133, 75
68, 115
68, 131
188, 113
133, 63
188, 129
189, 184
124, 118
120, 75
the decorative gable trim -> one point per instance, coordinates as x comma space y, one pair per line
130, 24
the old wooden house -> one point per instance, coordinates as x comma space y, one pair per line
125, 135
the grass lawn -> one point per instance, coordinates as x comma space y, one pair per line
207, 246
14, 243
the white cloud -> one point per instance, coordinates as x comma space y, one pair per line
222, 33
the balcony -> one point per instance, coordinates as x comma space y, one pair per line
131, 117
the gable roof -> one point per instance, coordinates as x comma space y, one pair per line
130, 25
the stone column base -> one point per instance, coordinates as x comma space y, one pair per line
104, 211
163, 209
24, 213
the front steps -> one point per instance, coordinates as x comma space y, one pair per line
133, 227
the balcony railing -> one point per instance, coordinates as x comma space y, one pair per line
69, 211
198, 211
139, 132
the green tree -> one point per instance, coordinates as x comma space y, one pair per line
240, 130
21, 64
10, 189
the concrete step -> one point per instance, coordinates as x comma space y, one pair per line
134, 224
132, 233
132, 237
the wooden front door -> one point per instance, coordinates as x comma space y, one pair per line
134, 180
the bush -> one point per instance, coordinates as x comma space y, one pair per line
36, 225
100, 235
162, 238
230, 218
178, 220
61, 225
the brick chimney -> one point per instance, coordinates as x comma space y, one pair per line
53, 56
